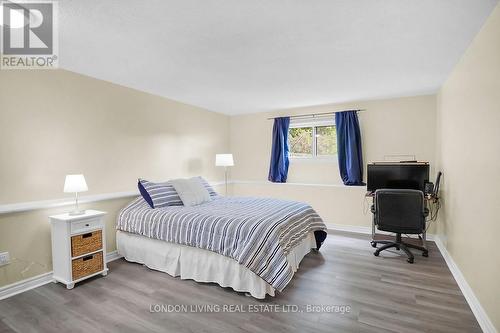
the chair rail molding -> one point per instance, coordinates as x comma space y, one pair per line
262, 182
53, 203
46, 204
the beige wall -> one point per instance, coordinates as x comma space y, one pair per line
58, 122
469, 137
389, 127
26, 236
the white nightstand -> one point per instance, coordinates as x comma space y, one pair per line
78, 247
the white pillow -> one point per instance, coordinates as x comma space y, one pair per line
191, 191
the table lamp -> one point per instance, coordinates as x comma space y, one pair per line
225, 160
75, 184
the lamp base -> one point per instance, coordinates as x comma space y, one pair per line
76, 212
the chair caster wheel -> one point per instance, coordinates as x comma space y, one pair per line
376, 253
374, 244
425, 254
410, 260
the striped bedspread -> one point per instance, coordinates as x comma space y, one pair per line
256, 232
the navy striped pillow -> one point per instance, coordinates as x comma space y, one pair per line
159, 195
209, 188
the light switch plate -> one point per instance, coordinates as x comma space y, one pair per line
4, 258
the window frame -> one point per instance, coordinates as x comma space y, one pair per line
314, 124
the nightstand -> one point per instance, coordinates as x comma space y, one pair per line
78, 247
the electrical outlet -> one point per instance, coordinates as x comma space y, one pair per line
4, 258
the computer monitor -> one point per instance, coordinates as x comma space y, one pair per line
397, 175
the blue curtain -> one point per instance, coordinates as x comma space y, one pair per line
278, 168
349, 148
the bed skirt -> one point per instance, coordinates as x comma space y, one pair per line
190, 263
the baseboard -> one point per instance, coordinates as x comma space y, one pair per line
39, 280
350, 228
363, 230
24, 285
481, 315
479, 312
112, 256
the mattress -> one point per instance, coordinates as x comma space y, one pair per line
257, 233
200, 265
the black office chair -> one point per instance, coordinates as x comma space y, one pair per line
401, 212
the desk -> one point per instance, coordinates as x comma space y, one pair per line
420, 241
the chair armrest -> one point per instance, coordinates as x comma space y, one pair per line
372, 209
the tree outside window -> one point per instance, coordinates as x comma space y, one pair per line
313, 141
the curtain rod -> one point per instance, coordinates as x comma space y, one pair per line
312, 115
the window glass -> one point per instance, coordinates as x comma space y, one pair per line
300, 142
326, 141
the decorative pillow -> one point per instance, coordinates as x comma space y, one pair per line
191, 191
159, 195
209, 188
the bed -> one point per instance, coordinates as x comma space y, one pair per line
252, 245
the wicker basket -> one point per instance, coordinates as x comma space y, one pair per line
86, 243
87, 265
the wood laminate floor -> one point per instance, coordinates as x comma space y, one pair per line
385, 294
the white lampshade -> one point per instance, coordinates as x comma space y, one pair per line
224, 160
75, 183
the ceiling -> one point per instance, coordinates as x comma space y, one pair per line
241, 56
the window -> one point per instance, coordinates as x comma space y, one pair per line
312, 138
